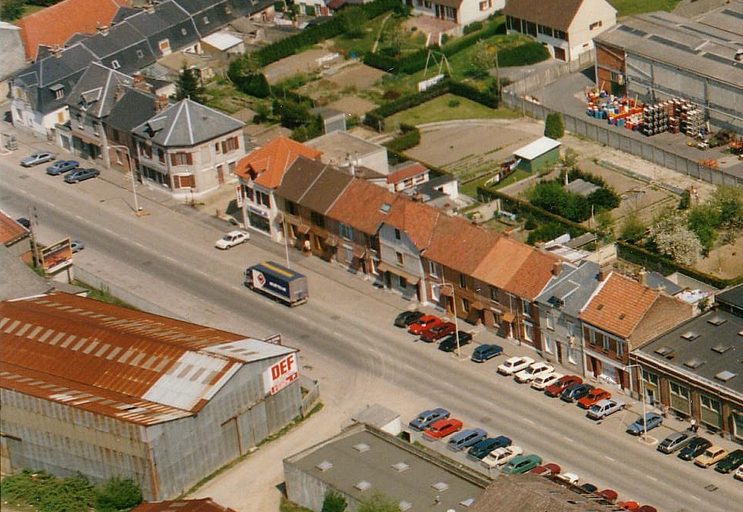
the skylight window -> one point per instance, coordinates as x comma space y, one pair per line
725, 376
717, 320
363, 485
694, 363
361, 447
385, 208
690, 335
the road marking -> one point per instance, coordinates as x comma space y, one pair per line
568, 439
529, 421
652, 478
609, 458
696, 498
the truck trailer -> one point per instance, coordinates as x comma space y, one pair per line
277, 281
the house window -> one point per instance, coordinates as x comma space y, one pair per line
181, 158
494, 294
650, 378
184, 181
398, 235
317, 219
620, 348
465, 305
183, 31
164, 45
231, 166
400, 258
230, 144
463, 281
595, 25
571, 329
549, 322
59, 92
291, 207
263, 199
96, 128
483, 6
528, 331
206, 20
345, 231
140, 54
432, 269
374, 243
572, 355
592, 337
525, 307
546, 343
710, 411
145, 150
348, 251
403, 282
161, 155
250, 194
217, 148
115, 64
606, 343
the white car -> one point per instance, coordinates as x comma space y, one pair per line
232, 239
571, 478
604, 408
530, 372
540, 382
501, 456
514, 364
738, 475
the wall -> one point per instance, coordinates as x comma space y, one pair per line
617, 138
547, 75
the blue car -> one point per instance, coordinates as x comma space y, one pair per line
61, 166
485, 352
466, 438
480, 450
81, 175
648, 422
425, 418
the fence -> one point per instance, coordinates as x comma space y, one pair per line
548, 75
618, 138
310, 394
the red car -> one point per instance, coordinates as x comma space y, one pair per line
549, 469
564, 382
628, 505
437, 332
593, 396
423, 324
609, 495
442, 428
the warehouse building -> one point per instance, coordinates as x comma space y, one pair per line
107, 391
660, 56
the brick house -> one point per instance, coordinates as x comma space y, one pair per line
622, 316
189, 148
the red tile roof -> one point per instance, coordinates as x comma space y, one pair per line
619, 305
266, 165
201, 505
533, 275
460, 245
361, 206
57, 23
10, 230
414, 169
502, 262
415, 219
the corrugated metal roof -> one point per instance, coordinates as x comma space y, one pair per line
537, 148
111, 351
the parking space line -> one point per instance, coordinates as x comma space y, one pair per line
609, 458
652, 478
568, 439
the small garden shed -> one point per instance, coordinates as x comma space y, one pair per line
538, 155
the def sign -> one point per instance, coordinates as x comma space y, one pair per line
279, 375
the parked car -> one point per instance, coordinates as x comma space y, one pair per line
514, 364
604, 408
449, 344
647, 508
24, 222
531, 371
609, 495
731, 462
62, 166
643, 423
549, 469
588, 487
37, 158
675, 442
695, 448
541, 382
628, 505
485, 352
232, 239
406, 318
575, 392
466, 438
442, 428
711, 455
77, 246
522, 464
738, 475
501, 456
483, 447
437, 332
558, 387
423, 323
79, 175
427, 417
592, 397
570, 478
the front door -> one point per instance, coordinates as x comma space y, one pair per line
220, 174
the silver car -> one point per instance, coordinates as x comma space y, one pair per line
37, 158
675, 442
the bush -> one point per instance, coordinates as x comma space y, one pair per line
472, 27
409, 138
553, 127
118, 494
547, 232
255, 85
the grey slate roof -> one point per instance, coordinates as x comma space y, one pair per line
733, 297
133, 108
186, 124
313, 184
14, 58
657, 281
298, 177
122, 13
95, 90
123, 44
572, 288
166, 21
17, 279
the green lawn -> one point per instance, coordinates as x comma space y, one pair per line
629, 7
470, 189
443, 108
345, 45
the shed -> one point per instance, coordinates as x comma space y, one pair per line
379, 417
538, 155
333, 120
223, 42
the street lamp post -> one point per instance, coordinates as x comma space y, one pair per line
456, 322
131, 172
644, 405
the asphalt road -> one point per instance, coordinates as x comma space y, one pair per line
168, 257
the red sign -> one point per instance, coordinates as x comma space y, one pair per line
281, 374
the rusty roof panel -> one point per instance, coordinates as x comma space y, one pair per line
84, 343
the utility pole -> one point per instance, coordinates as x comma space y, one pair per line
34, 249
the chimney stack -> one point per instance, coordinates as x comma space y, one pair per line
139, 83
604, 273
161, 102
557, 268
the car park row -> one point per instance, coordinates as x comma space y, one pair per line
498, 452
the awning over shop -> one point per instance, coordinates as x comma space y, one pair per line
508, 317
446, 291
331, 241
303, 228
412, 279
359, 252
477, 305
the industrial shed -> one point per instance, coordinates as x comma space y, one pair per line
106, 391
659, 56
538, 155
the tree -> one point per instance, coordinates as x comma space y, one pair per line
703, 221
604, 199
553, 126
633, 229
118, 494
482, 58
605, 222
353, 21
395, 37
11, 10
673, 238
334, 502
728, 200
188, 86
378, 503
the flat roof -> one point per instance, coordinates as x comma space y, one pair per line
537, 148
222, 40
339, 148
390, 466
